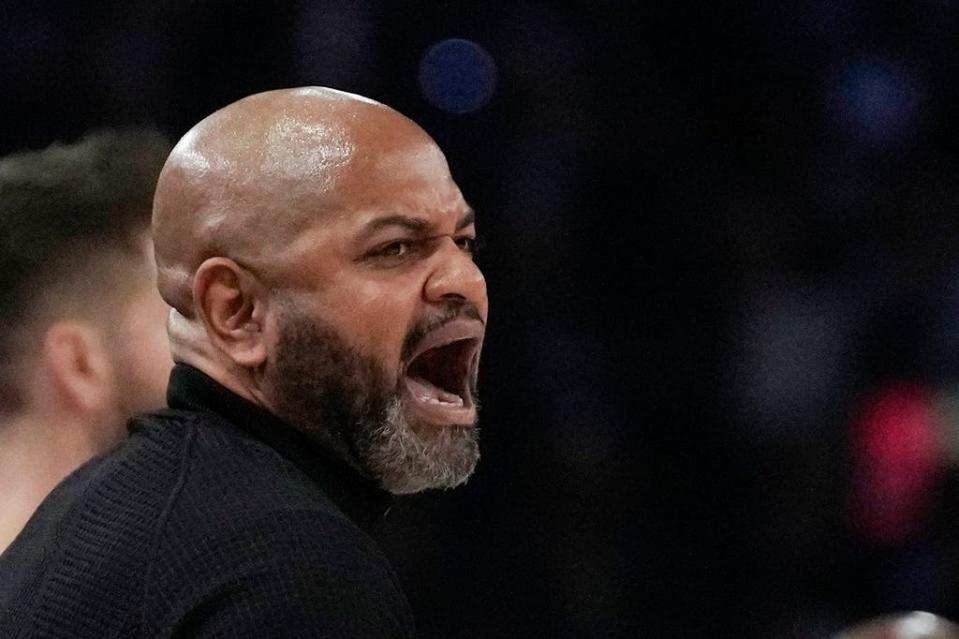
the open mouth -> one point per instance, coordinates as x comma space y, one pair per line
440, 374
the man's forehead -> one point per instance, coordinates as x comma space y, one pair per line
299, 149
361, 221
421, 158
369, 222
289, 146
414, 180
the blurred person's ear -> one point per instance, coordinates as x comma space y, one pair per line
79, 366
231, 304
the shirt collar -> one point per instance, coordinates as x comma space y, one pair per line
359, 497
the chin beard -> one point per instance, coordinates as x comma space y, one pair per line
408, 459
344, 399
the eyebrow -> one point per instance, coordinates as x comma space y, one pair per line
468, 218
414, 224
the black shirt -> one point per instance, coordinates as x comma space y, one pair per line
215, 519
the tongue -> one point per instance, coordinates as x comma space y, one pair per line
430, 394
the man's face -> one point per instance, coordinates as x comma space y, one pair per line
380, 317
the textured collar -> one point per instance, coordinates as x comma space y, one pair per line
358, 497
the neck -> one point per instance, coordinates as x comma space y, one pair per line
236, 382
190, 345
35, 456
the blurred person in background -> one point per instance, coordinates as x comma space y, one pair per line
84, 342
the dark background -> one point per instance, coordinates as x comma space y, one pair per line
720, 378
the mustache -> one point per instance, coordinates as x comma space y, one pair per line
447, 313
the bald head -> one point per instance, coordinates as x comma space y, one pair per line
250, 177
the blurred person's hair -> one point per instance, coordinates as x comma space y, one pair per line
73, 222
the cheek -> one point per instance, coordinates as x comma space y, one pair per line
368, 293
377, 315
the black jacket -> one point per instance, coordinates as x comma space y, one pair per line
214, 519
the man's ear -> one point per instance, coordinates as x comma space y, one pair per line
231, 303
78, 365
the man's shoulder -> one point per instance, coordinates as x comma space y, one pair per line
283, 573
191, 511
227, 473
248, 529
235, 496
238, 497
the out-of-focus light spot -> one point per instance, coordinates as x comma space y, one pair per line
876, 99
913, 625
896, 454
918, 624
457, 76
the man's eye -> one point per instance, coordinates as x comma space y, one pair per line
395, 249
470, 245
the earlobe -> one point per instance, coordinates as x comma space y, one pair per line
231, 304
78, 365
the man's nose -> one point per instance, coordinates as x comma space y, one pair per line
456, 275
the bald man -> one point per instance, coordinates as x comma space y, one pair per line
327, 325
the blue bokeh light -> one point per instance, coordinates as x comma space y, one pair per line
877, 99
457, 76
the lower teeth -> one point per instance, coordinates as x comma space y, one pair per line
446, 399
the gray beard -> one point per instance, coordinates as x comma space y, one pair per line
338, 395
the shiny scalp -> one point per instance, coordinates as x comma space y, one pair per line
247, 179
